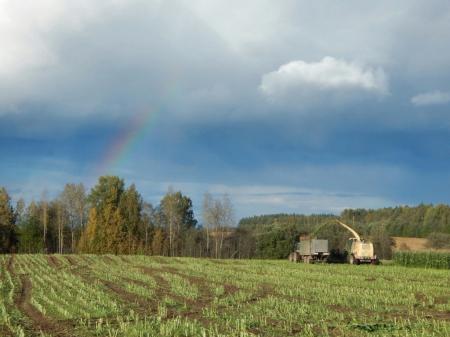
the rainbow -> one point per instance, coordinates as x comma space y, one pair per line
122, 143
137, 127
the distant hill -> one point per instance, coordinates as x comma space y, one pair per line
401, 221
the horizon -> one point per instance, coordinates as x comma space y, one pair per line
292, 107
198, 211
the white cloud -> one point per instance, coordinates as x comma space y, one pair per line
302, 80
431, 98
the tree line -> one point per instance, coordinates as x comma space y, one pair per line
418, 221
274, 233
114, 218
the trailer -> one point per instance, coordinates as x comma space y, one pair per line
310, 251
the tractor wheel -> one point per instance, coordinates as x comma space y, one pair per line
351, 259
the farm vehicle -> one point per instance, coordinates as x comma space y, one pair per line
311, 250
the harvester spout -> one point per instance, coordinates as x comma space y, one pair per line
356, 235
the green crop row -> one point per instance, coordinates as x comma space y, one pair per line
140, 296
423, 259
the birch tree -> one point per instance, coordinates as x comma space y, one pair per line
44, 219
217, 217
178, 217
73, 198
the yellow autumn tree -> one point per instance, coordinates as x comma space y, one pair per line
88, 236
116, 224
158, 242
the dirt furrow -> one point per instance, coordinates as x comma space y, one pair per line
53, 261
124, 259
109, 259
161, 260
143, 306
5, 331
195, 307
40, 323
201, 283
164, 286
72, 261
10, 265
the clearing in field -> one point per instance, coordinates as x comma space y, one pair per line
87, 295
414, 244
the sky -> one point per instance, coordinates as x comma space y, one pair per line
286, 106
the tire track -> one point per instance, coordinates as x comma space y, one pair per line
53, 262
196, 306
71, 260
40, 323
10, 265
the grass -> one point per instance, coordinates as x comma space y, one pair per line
142, 296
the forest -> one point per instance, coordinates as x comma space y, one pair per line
114, 218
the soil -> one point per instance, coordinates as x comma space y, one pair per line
109, 259
124, 259
137, 282
441, 300
163, 285
230, 289
127, 297
10, 265
195, 307
53, 261
40, 322
5, 332
413, 244
339, 308
71, 260
150, 306
439, 315
161, 260
217, 261
206, 296
145, 306
199, 282
420, 297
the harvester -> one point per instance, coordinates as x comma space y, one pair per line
359, 250
310, 249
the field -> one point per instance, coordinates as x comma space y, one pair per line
430, 259
408, 243
111, 296
414, 244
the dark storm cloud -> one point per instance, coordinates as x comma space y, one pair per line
351, 131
